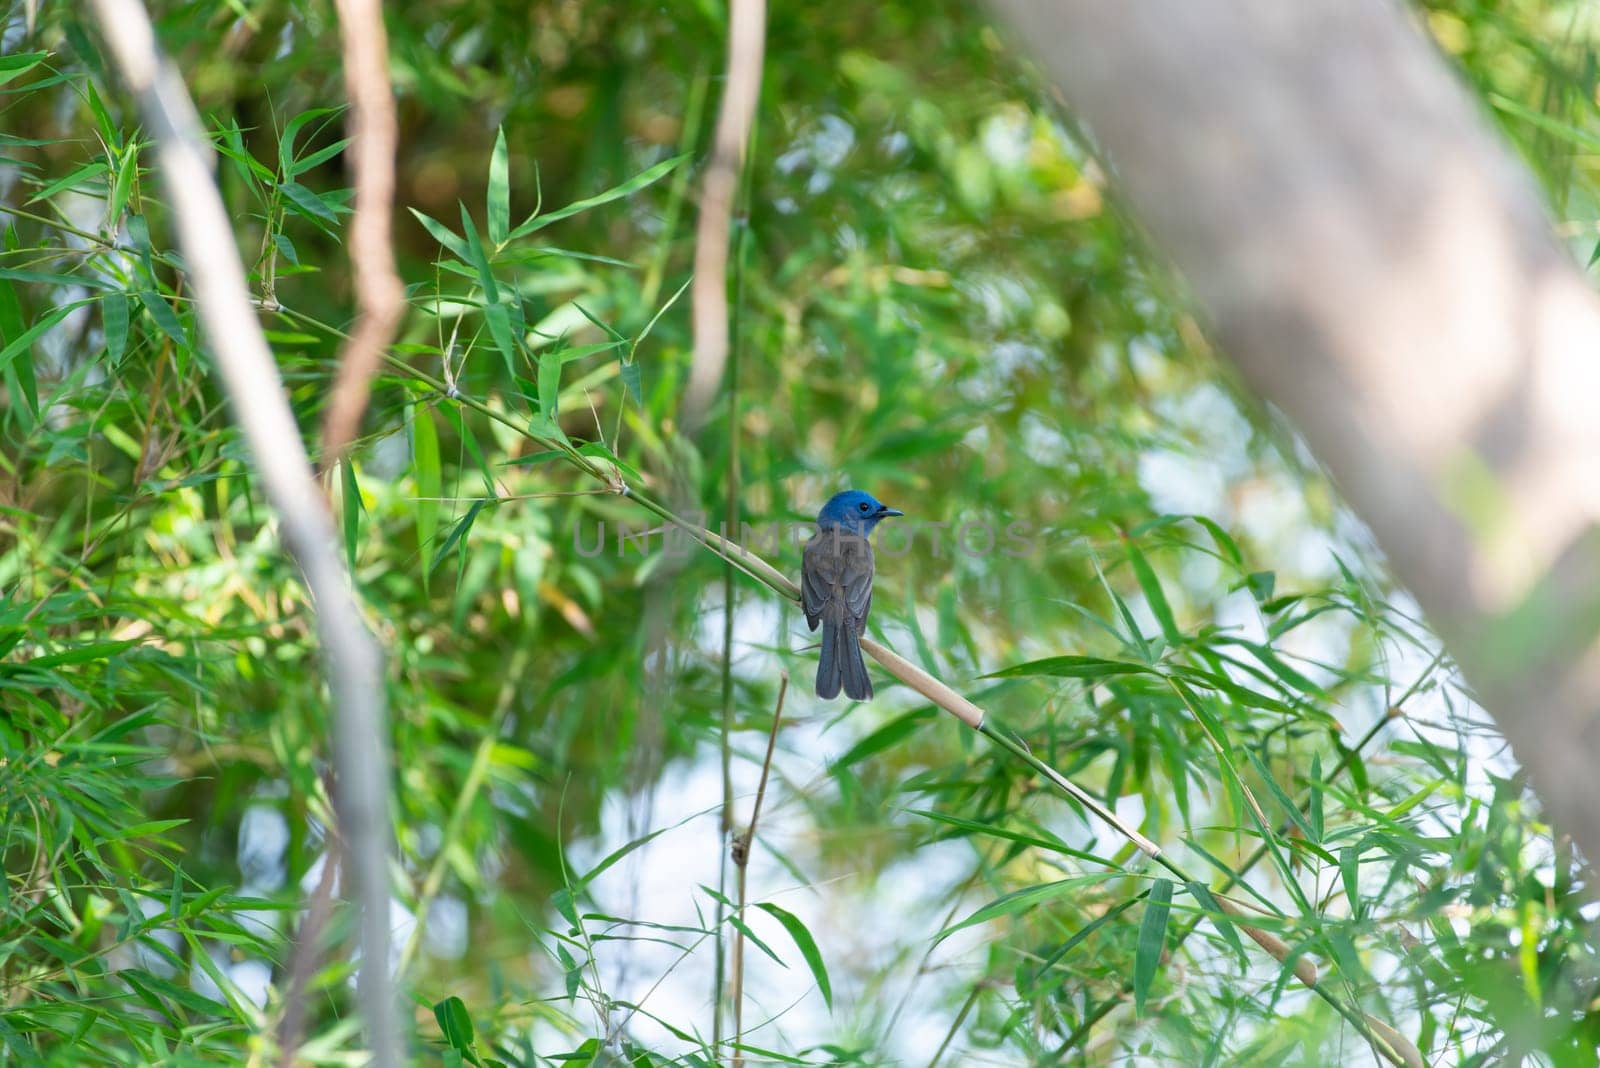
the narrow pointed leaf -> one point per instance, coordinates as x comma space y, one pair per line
425, 467
442, 234
1152, 937
632, 185
807, 946
498, 207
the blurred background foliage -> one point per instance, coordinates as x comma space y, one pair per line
936, 301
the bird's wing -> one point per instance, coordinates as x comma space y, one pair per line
855, 581
814, 586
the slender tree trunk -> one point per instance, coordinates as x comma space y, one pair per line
1381, 269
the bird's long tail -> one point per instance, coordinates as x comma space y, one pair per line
840, 663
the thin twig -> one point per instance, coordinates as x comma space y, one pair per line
730, 521
351, 658
747, 33
742, 844
380, 296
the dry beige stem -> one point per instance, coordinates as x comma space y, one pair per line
747, 42
380, 296
1304, 970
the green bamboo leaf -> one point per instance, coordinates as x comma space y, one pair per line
147, 829
1224, 542
594, 448
890, 734
56, 278
470, 441
291, 131
498, 206
455, 1023
110, 132
307, 203
1314, 798
81, 654
1223, 684
631, 380
622, 851
164, 316
24, 341
1153, 594
1285, 802
578, 352
156, 988
425, 467
318, 158
1081, 934
1350, 875
1028, 897
1053, 844
496, 314
1072, 667
127, 170
78, 177
549, 384
1295, 679
11, 326
632, 185
499, 319
563, 902
743, 928
1134, 634
479, 259
1152, 937
1220, 919
1261, 584
286, 248
442, 234
114, 320
20, 63
1566, 131
352, 511
807, 945
458, 532
250, 170
604, 327
1357, 766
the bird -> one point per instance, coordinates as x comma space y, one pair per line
836, 589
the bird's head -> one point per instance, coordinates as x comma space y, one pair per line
854, 511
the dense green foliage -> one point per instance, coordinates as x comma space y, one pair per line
934, 301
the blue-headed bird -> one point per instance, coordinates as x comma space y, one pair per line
836, 589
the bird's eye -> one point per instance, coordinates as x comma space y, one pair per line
863, 506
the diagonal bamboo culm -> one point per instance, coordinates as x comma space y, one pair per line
1385, 1040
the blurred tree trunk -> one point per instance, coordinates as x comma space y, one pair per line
1380, 268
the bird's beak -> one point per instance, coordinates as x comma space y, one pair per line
884, 513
